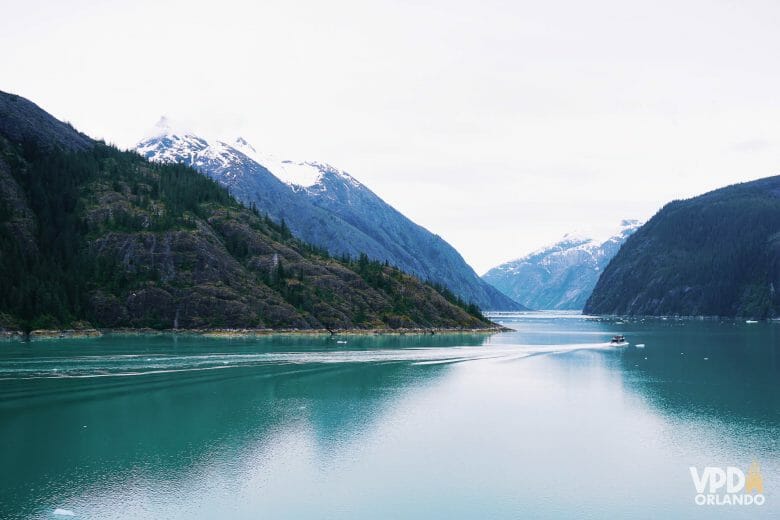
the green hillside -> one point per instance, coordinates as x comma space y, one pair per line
713, 255
90, 235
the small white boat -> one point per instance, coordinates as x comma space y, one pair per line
341, 342
751, 321
618, 341
640, 345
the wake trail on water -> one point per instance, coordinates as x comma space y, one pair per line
132, 365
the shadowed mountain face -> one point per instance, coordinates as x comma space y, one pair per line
326, 207
717, 254
93, 235
22, 120
562, 275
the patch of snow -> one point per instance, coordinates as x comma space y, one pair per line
588, 242
292, 173
296, 174
169, 143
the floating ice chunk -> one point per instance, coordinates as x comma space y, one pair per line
64, 512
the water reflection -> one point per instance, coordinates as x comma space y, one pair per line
64, 437
726, 370
548, 420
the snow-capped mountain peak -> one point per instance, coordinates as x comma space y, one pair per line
161, 127
167, 127
242, 144
561, 275
170, 142
302, 174
292, 173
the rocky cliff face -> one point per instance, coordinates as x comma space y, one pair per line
92, 234
717, 254
562, 275
327, 207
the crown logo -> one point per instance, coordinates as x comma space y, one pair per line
753, 480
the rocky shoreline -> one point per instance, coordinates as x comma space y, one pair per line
46, 334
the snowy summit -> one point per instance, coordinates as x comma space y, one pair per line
562, 275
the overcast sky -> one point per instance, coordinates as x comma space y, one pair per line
498, 125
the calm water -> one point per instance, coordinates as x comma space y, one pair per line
547, 421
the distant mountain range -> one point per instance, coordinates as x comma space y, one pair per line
562, 275
717, 254
324, 206
91, 236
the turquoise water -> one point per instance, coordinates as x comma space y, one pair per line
548, 421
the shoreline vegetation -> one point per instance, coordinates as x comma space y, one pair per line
55, 334
225, 332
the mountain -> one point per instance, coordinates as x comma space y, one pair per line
22, 121
717, 254
93, 236
324, 206
562, 275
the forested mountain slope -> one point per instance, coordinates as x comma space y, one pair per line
90, 235
717, 254
325, 206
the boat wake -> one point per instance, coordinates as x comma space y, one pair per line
129, 365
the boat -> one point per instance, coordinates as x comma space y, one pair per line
751, 321
618, 340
